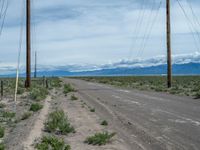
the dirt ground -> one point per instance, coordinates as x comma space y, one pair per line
24, 135
86, 124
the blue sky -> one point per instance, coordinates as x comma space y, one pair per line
97, 31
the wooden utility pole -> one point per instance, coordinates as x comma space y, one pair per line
35, 73
169, 59
28, 44
1, 89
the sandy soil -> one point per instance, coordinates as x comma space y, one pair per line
26, 133
36, 131
86, 124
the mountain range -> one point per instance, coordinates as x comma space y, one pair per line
182, 65
178, 69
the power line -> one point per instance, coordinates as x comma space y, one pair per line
191, 26
138, 27
194, 15
148, 30
147, 26
3, 15
151, 27
184, 12
2, 8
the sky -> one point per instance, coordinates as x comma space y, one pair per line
97, 32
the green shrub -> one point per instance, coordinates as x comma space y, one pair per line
2, 105
7, 114
74, 98
26, 115
55, 82
92, 110
35, 107
53, 143
197, 95
20, 90
68, 88
100, 138
65, 127
182, 85
38, 93
2, 146
57, 121
2, 131
104, 123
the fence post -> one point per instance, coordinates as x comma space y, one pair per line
47, 85
44, 81
1, 89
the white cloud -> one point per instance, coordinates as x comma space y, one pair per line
134, 63
94, 32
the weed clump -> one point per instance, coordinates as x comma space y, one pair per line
104, 123
38, 93
197, 95
20, 90
68, 88
182, 85
56, 82
92, 110
26, 115
2, 131
2, 146
74, 98
58, 122
2, 105
35, 107
7, 114
51, 142
100, 138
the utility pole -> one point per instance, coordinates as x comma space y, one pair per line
28, 44
169, 59
35, 74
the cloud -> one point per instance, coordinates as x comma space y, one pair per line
134, 63
96, 32
155, 61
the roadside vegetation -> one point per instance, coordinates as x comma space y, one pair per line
38, 93
26, 115
92, 110
74, 98
29, 102
2, 146
58, 122
57, 125
38, 90
182, 85
2, 105
104, 123
36, 107
52, 142
68, 88
8, 114
2, 133
100, 138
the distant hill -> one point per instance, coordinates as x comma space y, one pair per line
178, 69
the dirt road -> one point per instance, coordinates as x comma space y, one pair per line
145, 120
